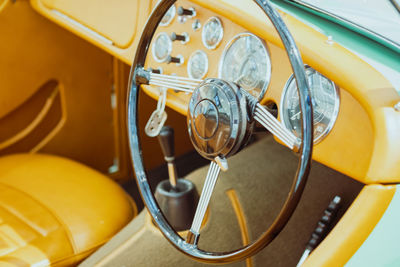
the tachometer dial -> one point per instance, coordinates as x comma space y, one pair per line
197, 66
212, 33
325, 100
246, 62
162, 47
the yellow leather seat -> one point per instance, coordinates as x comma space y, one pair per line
54, 211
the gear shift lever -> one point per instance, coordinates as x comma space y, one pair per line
177, 198
166, 139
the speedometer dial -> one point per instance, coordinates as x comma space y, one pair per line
325, 100
246, 62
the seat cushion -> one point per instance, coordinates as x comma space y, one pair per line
56, 211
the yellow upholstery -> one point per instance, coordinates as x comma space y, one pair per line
56, 211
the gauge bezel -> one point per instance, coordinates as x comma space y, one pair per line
335, 113
172, 17
190, 60
220, 37
266, 49
154, 47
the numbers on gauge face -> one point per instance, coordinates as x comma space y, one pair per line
246, 61
325, 100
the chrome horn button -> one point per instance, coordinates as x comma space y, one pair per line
217, 120
206, 119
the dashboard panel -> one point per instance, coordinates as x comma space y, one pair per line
351, 117
362, 143
178, 101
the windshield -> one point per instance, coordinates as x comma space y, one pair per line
381, 17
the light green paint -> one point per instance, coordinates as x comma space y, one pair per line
362, 43
382, 247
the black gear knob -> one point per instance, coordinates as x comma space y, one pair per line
166, 139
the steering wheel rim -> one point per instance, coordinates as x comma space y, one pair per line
305, 150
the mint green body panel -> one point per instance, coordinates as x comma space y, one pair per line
363, 44
382, 247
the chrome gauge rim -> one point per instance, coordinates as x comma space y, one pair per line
190, 64
169, 48
220, 36
265, 85
282, 114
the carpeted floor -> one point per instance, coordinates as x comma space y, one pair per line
260, 176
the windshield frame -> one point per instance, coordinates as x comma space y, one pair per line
347, 23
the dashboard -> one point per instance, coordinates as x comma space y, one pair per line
243, 58
355, 126
211, 45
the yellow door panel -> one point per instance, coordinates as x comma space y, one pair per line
38, 51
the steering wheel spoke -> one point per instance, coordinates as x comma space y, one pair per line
174, 82
177, 83
208, 188
267, 120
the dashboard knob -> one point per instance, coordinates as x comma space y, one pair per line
186, 12
178, 60
184, 38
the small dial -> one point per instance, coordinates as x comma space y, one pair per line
197, 66
212, 33
246, 62
325, 102
162, 47
169, 16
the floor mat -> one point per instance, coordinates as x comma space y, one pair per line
259, 177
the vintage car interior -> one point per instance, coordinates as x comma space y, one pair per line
190, 133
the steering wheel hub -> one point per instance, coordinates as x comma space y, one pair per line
206, 113
217, 118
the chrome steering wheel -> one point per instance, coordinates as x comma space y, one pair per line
220, 120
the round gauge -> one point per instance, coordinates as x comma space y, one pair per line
169, 16
212, 33
325, 101
162, 47
246, 62
197, 66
